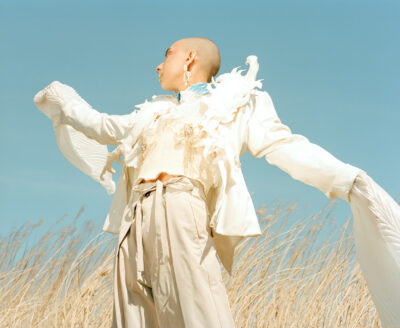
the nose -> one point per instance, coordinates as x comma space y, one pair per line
158, 68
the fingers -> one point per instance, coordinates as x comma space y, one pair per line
111, 170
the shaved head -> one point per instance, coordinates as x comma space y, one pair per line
208, 56
197, 55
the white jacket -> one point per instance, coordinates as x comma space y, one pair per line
238, 113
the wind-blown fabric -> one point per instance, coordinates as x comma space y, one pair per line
377, 237
87, 154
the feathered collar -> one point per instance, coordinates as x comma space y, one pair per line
224, 96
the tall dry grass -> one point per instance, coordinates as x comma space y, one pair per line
302, 272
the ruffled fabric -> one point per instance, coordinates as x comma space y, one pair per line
201, 123
86, 154
231, 91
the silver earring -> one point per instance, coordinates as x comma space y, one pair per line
186, 75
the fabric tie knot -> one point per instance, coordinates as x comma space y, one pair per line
144, 190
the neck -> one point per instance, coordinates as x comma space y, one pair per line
195, 78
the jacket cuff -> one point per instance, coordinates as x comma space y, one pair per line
343, 182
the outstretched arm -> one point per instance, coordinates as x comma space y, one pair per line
63, 105
295, 154
376, 215
82, 133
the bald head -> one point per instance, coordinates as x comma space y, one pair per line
207, 58
198, 56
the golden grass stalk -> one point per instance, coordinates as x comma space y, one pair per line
293, 275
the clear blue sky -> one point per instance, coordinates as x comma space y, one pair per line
331, 68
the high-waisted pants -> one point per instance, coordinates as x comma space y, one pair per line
166, 270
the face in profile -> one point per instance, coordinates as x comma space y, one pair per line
170, 72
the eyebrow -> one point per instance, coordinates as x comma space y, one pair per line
166, 52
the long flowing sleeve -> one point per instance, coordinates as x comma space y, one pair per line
377, 237
376, 214
82, 133
295, 154
63, 105
106, 129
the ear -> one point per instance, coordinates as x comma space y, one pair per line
191, 55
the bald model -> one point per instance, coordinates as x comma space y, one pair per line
208, 56
201, 57
167, 271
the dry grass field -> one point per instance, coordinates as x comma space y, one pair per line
302, 272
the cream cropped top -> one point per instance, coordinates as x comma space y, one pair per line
173, 143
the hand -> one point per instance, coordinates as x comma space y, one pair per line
111, 157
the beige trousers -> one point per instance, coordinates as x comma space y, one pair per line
166, 269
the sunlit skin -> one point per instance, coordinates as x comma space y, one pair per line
199, 54
203, 61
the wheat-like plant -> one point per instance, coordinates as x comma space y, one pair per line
293, 275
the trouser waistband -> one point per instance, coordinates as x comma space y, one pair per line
144, 189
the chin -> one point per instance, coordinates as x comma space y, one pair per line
167, 87
163, 86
